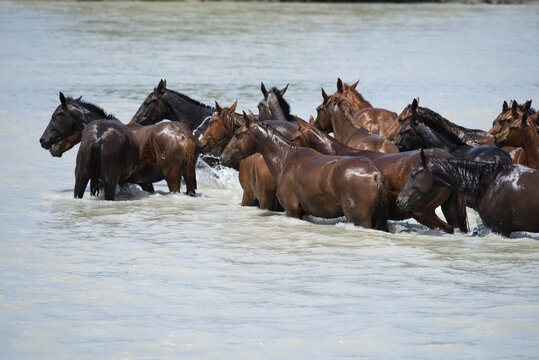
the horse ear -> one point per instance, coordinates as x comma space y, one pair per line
283, 90
300, 122
311, 120
233, 107
423, 159
219, 109
263, 89
505, 107
63, 100
247, 119
339, 85
160, 86
324, 95
415, 103
353, 86
80, 97
528, 105
514, 107
524, 120
164, 84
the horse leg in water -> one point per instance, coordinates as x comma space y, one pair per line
358, 214
454, 209
190, 176
147, 187
249, 198
424, 212
82, 176
110, 183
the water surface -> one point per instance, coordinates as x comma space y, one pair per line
169, 276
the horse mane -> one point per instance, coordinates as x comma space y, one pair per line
188, 99
343, 104
230, 122
91, 107
279, 134
360, 97
440, 124
472, 176
282, 102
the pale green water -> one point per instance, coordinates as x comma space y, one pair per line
167, 276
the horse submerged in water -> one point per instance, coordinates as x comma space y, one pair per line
166, 151
505, 196
321, 185
396, 169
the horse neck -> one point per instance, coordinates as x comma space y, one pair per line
325, 144
468, 177
432, 138
530, 143
360, 102
341, 122
474, 137
273, 148
190, 113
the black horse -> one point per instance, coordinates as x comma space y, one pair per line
505, 196
273, 106
424, 128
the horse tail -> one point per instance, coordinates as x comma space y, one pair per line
95, 167
379, 219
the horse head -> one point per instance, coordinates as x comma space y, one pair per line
420, 182
154, 108
240, 146
323, 116
510, 114
273, 106
409, 114
221, 127
357, 101
515, 132
70, 116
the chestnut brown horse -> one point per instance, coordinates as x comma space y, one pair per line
505, 196
167, 150
424, 128
221, 127
522, 133
335, 114
375, 120
511, 113
259, 188
396, 169
108, 153
322, 185
243, 144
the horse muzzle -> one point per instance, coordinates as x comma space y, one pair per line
45, 144
404, 204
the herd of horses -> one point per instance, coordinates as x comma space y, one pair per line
377, 166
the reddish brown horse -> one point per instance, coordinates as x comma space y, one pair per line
221, 127
167, 150
321, 185
108, 153
396, 169
522, 133
511, 113
375, 120
259, 188
335, 114
505, 196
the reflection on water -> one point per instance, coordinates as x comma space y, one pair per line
169, 276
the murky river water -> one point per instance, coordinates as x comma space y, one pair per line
168, 276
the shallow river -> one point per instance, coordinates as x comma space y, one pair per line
168, 276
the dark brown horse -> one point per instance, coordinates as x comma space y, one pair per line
167, 150
505, 196
396, 169
522, 133
322, 185
259, 188
375, 120
108, 153
424, 128
221, 127
335, 114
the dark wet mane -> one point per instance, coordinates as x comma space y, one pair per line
471, 176
440, 124
279, 134
91, 107
192, 101
282, 102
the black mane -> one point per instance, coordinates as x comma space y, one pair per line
440, 124
192, 101
282, 102
91, 107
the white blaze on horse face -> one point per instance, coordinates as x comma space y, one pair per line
513, 177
